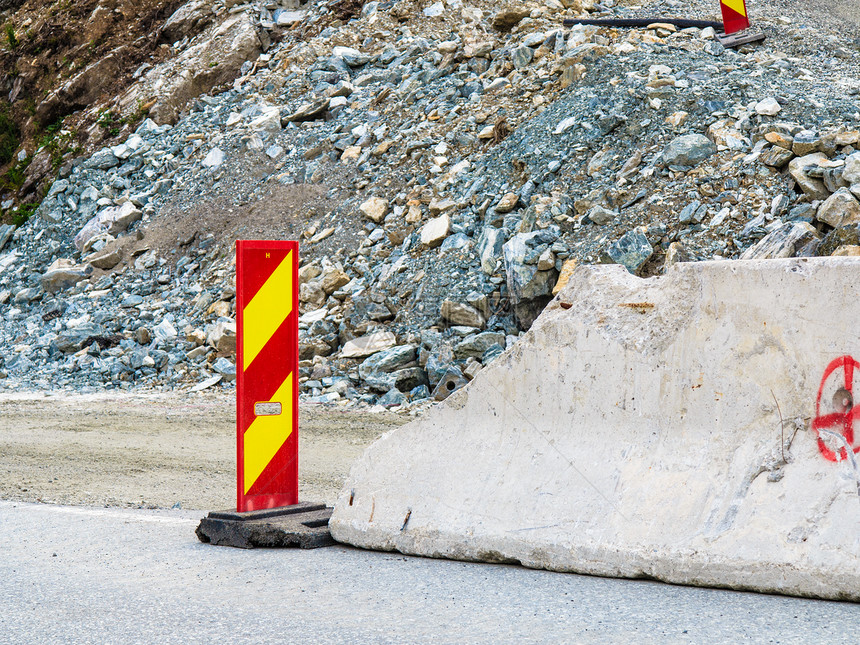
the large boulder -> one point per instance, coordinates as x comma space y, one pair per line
840, 209
188, 75
112, 220
64, 273
529, 288
688, 150
799, 167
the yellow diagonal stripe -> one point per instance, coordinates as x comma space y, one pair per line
267, 310
265, 436
736, 5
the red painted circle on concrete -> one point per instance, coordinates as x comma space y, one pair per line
839, 421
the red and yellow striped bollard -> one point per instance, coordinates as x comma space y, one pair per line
734, 15
267, 310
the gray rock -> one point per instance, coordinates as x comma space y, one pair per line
113, 221
63, 274
801, 213
102, 160
350, 56
833, 180
456, 242
387, 360
403, 379
392, 398
631, 250
287, 18
778, 205
692, 212
806, 142
776, 157
225, 368
452, 381
438, 364
475, 346
379, 312
840, 209
850, 171
600, 215
214, 158
528, 288
87, 205
28, 295
312, 347
459, 313
418, 393
714, 48
490, 248
6, 231
164, 331
688, 150
522, 56
782, 242
308, 111
72, 340
799, 170
492, 353
20, 365
470, 88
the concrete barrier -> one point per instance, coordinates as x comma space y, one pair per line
635, 431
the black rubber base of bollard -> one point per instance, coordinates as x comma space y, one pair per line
303, 525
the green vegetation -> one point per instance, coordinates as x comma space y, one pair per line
11, 38
112, 122
9, 135
24, 212
13, 178
58, 142
138, 115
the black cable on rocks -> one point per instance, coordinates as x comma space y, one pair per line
680, 23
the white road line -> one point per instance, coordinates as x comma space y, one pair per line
116, 513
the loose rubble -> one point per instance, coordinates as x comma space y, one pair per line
445, 166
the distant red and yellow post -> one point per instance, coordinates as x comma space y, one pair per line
267, 372
734, 15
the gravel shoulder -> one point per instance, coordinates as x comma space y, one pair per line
156, 451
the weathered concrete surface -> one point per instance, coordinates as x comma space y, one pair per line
634, 432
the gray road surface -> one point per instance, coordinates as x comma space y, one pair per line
95, 575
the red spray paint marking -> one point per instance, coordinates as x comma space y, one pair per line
841, 421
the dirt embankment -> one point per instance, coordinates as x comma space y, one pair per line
58, 58
158, 451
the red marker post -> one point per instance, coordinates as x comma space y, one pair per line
267, 413
268, 512
734, 16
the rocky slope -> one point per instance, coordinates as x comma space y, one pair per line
76, 74
445, 165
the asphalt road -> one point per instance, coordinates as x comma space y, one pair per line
107, 575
